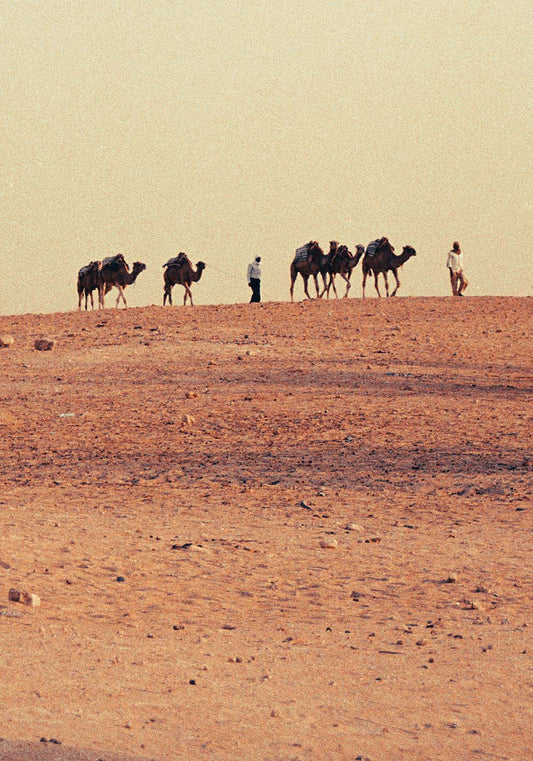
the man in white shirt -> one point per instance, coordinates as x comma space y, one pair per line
254, 279
458, 280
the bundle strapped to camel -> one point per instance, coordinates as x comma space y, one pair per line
372, 247
115, 262
176, 261
88, 268
300, 255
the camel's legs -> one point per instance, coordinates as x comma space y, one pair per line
386, 279
325, 282
348, 284
306, 289
395, 273
120, 290
331, 284
167, 295
187, 293
376, 283
365, 274
326, 286
294, 275
315, 278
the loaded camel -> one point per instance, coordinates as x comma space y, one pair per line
88, 281
115, 273
343, 263
309, 260
383, 260
179, 271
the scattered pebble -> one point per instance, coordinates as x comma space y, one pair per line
44, 344
328, 543
26, 598
6, 340
353, 527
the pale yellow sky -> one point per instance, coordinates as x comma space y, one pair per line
231, 129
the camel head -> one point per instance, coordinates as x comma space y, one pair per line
200, 267
359, 251
408, 252
138, 267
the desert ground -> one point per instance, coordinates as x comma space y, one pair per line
274, 532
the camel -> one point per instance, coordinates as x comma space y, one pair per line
89, 281
343, 263
179, 271
314, 263
384, 260
115, 273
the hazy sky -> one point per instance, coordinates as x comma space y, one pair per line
231, 129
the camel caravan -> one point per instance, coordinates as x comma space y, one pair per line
309, 261
378, 258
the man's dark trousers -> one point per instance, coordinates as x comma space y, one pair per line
255, 285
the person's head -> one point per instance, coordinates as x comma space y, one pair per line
258, 259
456, 246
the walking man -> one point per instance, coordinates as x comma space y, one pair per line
254, 279
458, 280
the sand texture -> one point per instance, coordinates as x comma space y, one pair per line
275, 532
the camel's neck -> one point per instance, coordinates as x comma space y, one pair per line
403, 257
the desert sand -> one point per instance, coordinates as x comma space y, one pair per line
275, 532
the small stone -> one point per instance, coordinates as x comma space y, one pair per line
121, 578
353, 527
421, 642
328, 543
188, 420
451, 579
191, 394
44, 344
6, 340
